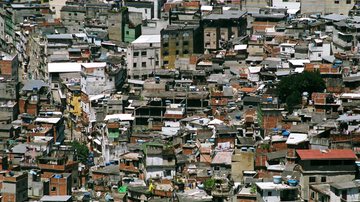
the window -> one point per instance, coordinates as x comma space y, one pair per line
156, 63
283, 48
165, 53
169, 159
136, 54
166, 62
53, 188
319, 54
165, 44
177, 52
143, 53
323, 179
269, 193
336, 1
335, 163
312, 179
185, 43
312, 195
150, 44
185, 52
348, 1
167, 173
348, 162
127, 32
216, 168
208, 34
177, 43
134, 64
143, 64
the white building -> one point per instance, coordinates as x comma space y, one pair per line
56, 5
318, 50
145, 12
143, 56
95, 80
271, 192
287, 50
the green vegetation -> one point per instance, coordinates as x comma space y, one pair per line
291, 88
82, 151
253, 189
209, 184
265, 146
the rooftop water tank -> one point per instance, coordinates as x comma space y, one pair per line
277, 179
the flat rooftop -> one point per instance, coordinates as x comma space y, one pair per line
272, 186
226, 15
147, 39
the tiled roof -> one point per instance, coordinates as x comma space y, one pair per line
334, 154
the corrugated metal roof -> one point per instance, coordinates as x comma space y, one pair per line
334, 154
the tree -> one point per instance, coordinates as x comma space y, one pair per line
82, 151
291, 88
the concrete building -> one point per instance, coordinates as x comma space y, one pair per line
179, 41
14, 186
287, 50
316, 166
56, 6
73, 17
272, 192
9, 86
150, 9
159, 161
318, 49
342, 191
251, 5
143, 56
117, 18
327, 6
37, 187
220, 28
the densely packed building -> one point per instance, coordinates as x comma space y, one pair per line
179, 100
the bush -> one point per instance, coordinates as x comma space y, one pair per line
209, 184
82, 151
291, 88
